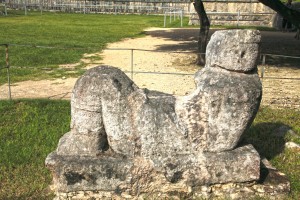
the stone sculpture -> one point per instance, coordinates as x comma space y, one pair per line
127, 142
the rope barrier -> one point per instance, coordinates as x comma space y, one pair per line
50, 47
283, 56
7, 67
130, 49
166, 73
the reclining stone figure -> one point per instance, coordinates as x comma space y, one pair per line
127, 141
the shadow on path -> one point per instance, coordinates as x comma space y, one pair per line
273, 42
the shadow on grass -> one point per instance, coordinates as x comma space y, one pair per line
269, 140
264, 139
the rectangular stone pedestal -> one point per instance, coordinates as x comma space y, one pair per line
119, 176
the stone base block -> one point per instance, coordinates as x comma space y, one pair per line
272, 185
111, 175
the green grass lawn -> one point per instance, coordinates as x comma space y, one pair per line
260, 135
70, 35
30, 130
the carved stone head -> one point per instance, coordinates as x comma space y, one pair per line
234, 50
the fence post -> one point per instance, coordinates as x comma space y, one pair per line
131, 64
262, 71
174, 15
84, 7
25, 7
264, 59
7, 68
5, 9
263, 65
165, 18
41, 6
238, 19
181, 14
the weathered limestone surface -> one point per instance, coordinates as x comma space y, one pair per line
234, 50
131, 175
127, 141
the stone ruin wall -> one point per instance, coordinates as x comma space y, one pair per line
249, 9
251, 13
235, 6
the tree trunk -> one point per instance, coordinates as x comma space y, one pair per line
203, 33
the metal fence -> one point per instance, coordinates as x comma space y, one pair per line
173, 15
273, 85
142, 7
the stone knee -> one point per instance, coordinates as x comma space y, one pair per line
96, 97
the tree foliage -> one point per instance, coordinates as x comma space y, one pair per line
288, 13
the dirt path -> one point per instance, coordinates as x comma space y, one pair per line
145, 61
277, 92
